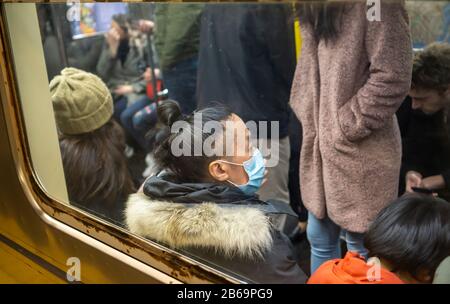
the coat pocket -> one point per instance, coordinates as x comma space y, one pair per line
340, 140
351, 125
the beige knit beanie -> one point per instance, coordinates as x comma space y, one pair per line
81, 101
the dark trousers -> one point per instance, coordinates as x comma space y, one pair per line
295, 136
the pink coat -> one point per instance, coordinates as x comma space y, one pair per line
345, 94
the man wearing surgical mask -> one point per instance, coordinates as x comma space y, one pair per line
205, 203
424, 124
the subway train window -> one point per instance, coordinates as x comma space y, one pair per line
430, 22
250, 137
139, 71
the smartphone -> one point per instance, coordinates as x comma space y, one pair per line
422, 190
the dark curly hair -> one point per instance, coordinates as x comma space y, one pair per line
431, 68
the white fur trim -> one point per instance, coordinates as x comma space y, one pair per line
233, 230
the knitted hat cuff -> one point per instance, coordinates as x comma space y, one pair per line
88, 123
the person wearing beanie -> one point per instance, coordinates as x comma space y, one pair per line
92, 144
81, 101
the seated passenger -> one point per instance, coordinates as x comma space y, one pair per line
143, 111
409, 238
122, 63
92, 144
206, 205
425, 125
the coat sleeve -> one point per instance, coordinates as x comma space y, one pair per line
139, 87
278, 37
105, 63
389, 50
181, 33
279, 266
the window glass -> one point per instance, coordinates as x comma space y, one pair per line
120, 76
430, 22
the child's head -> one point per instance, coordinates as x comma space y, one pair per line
411, 236
204, 146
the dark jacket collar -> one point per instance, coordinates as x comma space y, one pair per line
165, 187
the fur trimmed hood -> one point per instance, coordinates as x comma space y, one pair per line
226, 228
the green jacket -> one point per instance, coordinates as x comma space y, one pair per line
177, 32
113, 73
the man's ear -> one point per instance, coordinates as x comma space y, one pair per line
219, 171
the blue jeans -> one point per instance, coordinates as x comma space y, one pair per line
120, 104
126, 118
145, 118
181, 81
324, 237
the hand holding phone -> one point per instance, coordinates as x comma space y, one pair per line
422, 190
413, 179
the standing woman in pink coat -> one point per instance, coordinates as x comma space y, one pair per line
352, 76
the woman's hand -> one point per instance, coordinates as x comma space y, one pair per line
148, 74
113, 39
124, 90
146, 26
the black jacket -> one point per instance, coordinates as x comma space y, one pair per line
216, 224
425, 144
247, 60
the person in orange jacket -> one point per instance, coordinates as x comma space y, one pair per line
406, 242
